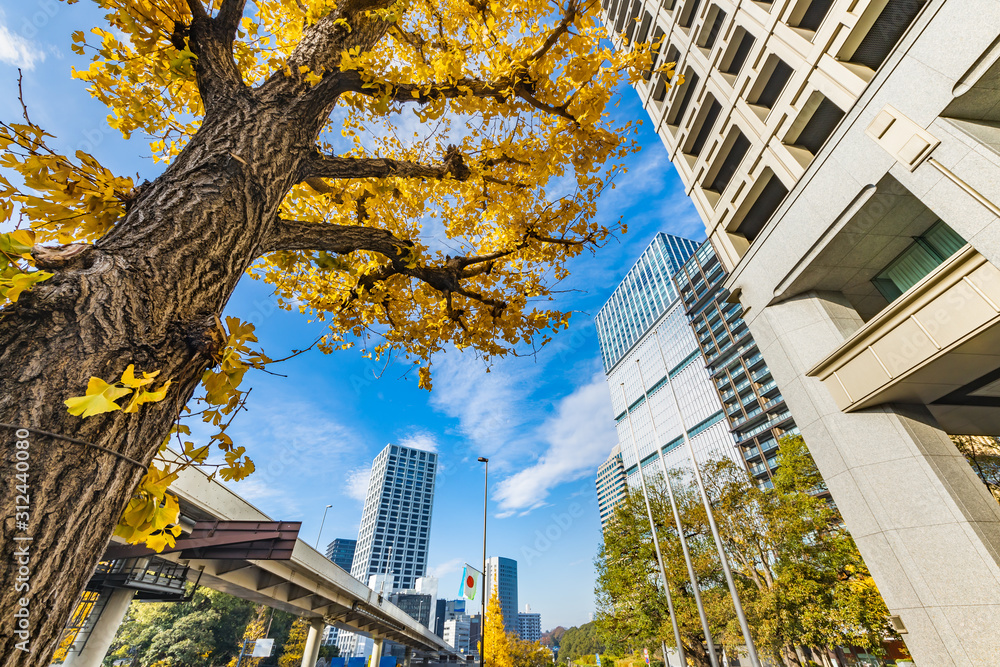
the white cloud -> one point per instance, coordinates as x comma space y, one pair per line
17, 51
421, 440
490, 407
579, 436
356, 484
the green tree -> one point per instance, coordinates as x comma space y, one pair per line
199, 633
799, 573
580, 641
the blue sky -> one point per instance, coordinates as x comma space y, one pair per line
545, 422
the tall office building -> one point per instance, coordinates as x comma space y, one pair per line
612, 484
395, 525
843, 157
529, 624
645, 340
755, 409
501, 575
341, 552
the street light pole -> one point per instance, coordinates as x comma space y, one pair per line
321, 523
482, 613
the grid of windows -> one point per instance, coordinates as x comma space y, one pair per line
501, 573
611, 485
395, 523
760, 73
643, 295
752, 403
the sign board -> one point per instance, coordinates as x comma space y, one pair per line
262, 648
598, 659
645, 654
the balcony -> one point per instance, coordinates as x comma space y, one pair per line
937, 344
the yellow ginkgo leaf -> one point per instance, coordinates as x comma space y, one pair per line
142, 396
129, 379
100, 397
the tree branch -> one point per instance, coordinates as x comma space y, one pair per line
331, 166
211, 40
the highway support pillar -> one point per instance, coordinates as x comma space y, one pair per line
407, 656
313, 638
104, 630
377, 645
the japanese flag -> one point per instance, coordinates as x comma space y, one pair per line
471, 578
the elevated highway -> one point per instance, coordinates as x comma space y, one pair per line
307, 584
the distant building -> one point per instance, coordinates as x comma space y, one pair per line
417, 606
529, 625
341, 552
395, 526
612, 485
456, 634
440, 608
501, 573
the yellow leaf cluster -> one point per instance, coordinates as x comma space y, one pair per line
64, 200
102, 397
151, 516
15, 263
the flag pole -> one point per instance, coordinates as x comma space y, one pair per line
656, 539
677, 522
482, 613
737, 604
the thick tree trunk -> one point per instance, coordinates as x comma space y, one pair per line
149, 294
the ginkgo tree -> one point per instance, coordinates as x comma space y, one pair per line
281, 126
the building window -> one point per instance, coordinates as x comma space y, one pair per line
925, 254
824, 118
707, 122
713, 25
730, 162
739, 49
689, 12
690, 83
885, 32
809, 14
775, 75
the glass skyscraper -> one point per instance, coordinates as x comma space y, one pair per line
643, 295
501, 573
646, 341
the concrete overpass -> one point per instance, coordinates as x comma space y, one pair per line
307, 585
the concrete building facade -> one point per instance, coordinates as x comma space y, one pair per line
755, 409
845, 158
645, 340
501, 575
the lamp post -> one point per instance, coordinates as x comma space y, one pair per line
482, 615
321, 526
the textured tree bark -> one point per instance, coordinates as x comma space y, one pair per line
148, 293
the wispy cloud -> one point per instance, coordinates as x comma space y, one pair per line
356, 483
442, 570
421, 440
17, 51
490, 407
578, 437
